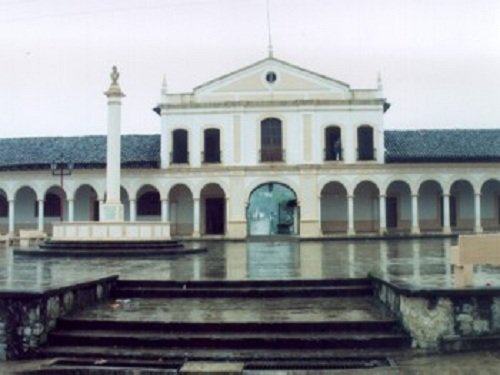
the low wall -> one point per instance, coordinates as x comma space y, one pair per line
27, 317
111, 231
445, 319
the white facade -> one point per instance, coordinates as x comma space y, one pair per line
205, 190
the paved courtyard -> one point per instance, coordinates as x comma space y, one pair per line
423, 263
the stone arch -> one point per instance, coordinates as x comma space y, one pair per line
213, 209
398, 205
366, 207
462, 205
490, 204
148, 203
430, 206
333, 210
86, 202
180, 198
272, 210
25, 208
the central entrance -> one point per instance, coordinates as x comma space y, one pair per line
272, 210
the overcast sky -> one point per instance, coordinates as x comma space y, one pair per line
439, 59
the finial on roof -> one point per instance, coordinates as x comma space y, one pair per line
164, 90
269, 38
379, 81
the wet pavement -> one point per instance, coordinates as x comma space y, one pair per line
237, 310
423, 263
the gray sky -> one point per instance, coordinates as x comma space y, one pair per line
440, 60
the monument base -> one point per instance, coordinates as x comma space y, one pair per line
92, 231
111, 212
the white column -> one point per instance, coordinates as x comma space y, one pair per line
320, 224
477, 208
446, 213
196, 217
71, 210
11, 217
40, 215
350, 215
226, 221
382, 215
132, 209
415, 227
113, 208
164, 210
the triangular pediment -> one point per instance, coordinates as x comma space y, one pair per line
272, 79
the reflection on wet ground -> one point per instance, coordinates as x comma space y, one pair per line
238, 310
423, 263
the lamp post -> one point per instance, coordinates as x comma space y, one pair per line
61, 168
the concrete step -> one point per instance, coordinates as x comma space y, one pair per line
190, 284
201, 354
231, 327
246, 289
224, 292
247, 340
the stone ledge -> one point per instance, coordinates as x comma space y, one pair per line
50, 291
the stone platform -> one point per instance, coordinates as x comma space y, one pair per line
92, 231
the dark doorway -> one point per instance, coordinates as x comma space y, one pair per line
215, 215
365, 143
391, 212
211, 148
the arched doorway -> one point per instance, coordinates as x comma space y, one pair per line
366, 207
148, 204
490, 205
272, 210
86, 204
333, 208
213, 209
181, 210
462, 205
429, 206
398, 206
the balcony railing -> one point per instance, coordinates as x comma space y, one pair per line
366, 154
179, 158
333, 155
271, 155
211, 157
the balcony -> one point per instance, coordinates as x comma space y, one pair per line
179, 158
211, 157
271, 155
333, 155
366, 154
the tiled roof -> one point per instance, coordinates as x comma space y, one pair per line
443, 145
142, 151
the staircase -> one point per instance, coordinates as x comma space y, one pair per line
265, 325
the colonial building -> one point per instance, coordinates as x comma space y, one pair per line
270, 149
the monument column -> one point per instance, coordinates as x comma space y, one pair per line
446, 214
164, 210
132, 209
415, 227
71, 210
196, 217
112, 209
